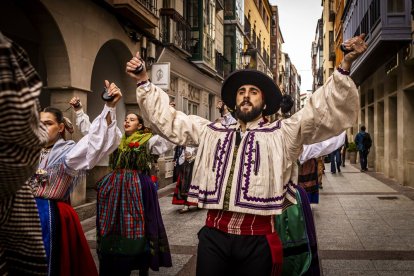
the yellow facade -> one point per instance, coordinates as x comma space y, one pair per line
259, 14
328, 47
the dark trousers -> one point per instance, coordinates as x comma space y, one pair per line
343, 155
223, 254
335, 157
363, 159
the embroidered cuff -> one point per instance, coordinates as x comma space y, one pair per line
146, 85
343, 71
142, 83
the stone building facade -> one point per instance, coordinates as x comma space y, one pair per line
76, 44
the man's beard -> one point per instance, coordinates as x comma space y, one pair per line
249, 115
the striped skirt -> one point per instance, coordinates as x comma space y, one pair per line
21, 246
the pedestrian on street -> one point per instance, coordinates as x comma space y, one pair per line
244, 174
22, 136
363, 142
335, 158
344, 149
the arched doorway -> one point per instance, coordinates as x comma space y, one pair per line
31, 25
110, 64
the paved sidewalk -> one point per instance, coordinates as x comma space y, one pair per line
364, 226
181, 230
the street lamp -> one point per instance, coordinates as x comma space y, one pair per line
246, 56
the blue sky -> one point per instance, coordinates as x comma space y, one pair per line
298, 19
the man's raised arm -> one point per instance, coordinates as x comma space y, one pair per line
174, 125
331, 109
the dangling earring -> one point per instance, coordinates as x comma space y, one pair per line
264, 107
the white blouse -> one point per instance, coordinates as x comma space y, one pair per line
322, 148
101, 140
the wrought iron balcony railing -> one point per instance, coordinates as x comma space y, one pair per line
175, 30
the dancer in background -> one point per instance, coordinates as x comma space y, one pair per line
186, 163
130, 229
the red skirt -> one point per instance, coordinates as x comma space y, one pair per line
75, 254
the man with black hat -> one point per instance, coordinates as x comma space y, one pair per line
245, 173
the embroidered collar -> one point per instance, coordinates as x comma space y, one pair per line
259, 123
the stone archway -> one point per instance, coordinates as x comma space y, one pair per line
110, 64
30, 24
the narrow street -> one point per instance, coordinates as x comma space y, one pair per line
364, 226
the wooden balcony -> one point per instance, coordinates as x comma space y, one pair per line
388, 29
142, 12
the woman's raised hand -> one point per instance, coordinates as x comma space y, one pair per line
114, 91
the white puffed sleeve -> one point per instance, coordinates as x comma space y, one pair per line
101, 140
82, 122
159, 145
322, 148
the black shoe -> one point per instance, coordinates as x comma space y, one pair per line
333, 172
339, 169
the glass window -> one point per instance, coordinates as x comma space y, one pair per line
192, 13
229, 8
191, 107
185, 105
395, 6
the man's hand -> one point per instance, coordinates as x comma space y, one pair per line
133, 64
114, 91
357, 46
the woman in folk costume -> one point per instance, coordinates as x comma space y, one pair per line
308, 172
186, 163
131, 233
62, 166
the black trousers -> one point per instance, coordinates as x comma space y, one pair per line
222, 254
363, 159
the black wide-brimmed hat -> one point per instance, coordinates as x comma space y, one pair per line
235, 80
